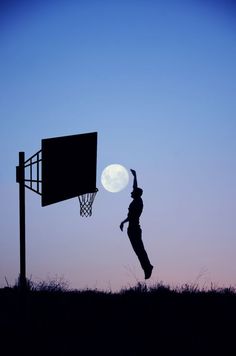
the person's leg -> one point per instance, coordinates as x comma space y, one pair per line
135, 236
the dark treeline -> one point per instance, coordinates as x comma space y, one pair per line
136, 321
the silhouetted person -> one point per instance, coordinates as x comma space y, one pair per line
134, 231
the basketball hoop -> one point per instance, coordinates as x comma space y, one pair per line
86, 202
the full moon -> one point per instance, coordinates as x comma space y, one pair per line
115, 178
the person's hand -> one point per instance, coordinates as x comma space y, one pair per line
121, 226
133, 172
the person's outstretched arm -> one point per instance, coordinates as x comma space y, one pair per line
135, 183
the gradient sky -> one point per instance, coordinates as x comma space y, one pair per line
157, 81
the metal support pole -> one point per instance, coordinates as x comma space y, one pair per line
20, 178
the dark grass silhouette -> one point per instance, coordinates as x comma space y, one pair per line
50, 319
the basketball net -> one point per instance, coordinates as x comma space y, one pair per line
86, 203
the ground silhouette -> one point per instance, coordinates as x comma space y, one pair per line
136, 321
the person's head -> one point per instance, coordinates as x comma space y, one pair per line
136, 193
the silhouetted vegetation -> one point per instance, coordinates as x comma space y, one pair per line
51, 319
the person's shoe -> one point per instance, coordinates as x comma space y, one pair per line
148, 272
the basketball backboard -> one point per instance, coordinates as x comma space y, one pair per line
69, 166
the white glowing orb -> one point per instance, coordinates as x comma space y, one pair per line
115, 178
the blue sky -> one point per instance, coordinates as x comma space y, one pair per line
156, 80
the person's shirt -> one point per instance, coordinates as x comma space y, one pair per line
135, 210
